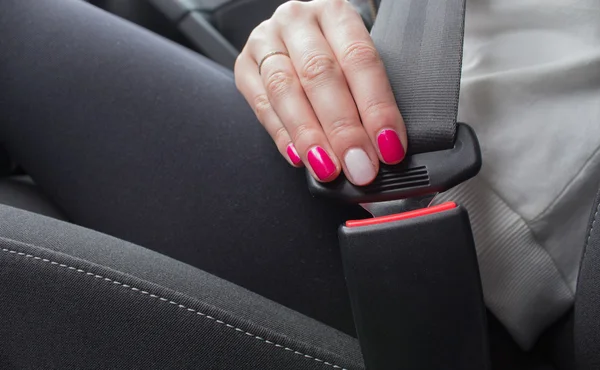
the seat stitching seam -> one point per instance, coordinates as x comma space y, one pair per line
180, 306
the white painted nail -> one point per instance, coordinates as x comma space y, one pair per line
359, 166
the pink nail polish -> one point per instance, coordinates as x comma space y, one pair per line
293, 154
321, 163
390, 147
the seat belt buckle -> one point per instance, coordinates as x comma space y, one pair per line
411, 270
415, 290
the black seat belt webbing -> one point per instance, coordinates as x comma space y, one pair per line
420, 42
413, 277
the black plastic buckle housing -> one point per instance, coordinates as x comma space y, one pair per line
415, 290
417, 175
413, 277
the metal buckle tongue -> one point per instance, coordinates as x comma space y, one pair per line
414, 182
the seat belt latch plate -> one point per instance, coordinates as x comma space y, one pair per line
417, 175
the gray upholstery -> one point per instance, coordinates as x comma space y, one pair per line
74, 298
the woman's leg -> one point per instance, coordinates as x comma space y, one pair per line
141, 139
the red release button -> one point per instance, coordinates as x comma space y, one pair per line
402, 216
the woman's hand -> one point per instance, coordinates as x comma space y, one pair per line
318, 86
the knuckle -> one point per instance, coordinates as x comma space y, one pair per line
359, 55
289, 10
280, 136
262, 106
278, 83
259, 35
343, 128
260, 29
304, 133
337, 10
318, 67
262, 26
336, 4
381, 111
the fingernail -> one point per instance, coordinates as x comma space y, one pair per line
390, 147
321, 163
359, 165
293, 154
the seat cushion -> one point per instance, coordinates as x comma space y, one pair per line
72, 298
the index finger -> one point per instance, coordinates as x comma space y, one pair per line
366, 76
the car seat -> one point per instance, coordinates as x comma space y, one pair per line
73, 298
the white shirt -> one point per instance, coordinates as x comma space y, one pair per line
531, 90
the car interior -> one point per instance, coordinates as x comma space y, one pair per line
151, 311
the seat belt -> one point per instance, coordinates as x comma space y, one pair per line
411, 271
421, 42
193, 20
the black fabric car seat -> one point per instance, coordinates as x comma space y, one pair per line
74, 298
